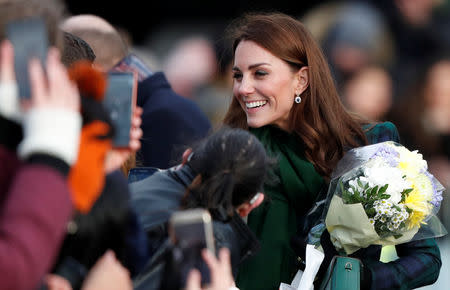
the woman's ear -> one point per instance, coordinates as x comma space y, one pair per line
186, 155
302, 80
245, 208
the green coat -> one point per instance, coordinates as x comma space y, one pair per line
275, 221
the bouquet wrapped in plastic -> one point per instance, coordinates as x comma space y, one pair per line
382, 194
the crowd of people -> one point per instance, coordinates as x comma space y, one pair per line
257, 160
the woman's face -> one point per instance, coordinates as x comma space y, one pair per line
264, 85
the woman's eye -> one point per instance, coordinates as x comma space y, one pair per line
237, 75
260, 73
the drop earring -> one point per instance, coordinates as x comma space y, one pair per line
298, 99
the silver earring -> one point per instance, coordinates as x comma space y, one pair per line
298, 99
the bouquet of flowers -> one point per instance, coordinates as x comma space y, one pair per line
382, 194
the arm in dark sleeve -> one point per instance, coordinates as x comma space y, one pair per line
418, 265
167, 133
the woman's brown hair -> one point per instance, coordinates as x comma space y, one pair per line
321, 120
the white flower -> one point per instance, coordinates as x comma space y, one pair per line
388, 175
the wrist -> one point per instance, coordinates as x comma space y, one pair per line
10, 133
43, 159
9, 101
51, 131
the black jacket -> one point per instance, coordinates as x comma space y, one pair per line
170, 122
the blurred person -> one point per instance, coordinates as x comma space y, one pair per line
110, 223
49, 135
169, 121
35, 197
77, 50
229, 188
352, 35
284, 94
215, 97
418, 34
190, 64
369, 93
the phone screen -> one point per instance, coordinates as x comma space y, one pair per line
120, 100
139, 173
191, 231
30, 39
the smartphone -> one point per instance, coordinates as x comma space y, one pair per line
191, 231
120, 102
139, 173
133, 63
30, 39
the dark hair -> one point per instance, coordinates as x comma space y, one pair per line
75, 49
104, 227
231, 167
52, 11
321, 120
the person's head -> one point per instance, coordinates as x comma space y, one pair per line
357, 37
275, 60
231, 167
369, 93
103, 38
75, 49
190, 65
52, 11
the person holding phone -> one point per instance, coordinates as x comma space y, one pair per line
35, 197
169, 121
224, 174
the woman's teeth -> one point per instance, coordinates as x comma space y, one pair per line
251, 105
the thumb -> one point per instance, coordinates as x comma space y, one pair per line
194, 280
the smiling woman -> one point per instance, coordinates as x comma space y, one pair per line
285, 95
265, 85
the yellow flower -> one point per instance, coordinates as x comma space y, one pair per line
423, 185
411, 162
421, 208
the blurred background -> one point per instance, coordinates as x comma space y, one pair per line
390, 60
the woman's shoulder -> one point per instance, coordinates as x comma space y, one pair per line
380, 132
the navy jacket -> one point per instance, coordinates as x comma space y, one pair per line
170, 122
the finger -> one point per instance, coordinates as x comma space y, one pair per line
224, 258
136, 121
37, 82
136, 134
194, 280
7, 62
210, 260
57, 76
138, 111
74, 100
135, 145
